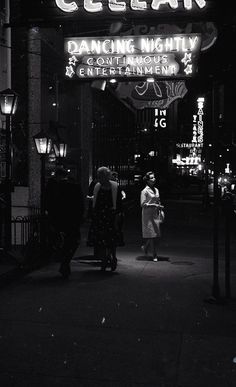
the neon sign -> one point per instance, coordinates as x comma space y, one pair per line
194, 160
132, 56
45, 11
197, 139
160, 118
135, 5
194, 147
188, 145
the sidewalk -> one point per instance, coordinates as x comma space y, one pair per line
10, 269
147, 324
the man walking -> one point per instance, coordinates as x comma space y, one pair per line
65, 207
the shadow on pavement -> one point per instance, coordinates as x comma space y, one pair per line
85, 258
92, 276
56, 280
182, 263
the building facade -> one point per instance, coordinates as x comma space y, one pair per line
108, 126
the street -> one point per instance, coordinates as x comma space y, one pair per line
147, 324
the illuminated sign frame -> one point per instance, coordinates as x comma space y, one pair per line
41, 11
134, 5
161, 56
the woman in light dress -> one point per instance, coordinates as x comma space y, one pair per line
151, 216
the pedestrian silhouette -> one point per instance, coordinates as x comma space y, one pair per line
65, 207
121, 215
89, 197
152, 212
107, 207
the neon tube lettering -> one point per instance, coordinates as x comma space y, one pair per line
67, 7
117, 6
90, 6
172, 3
120, 6
138, 5
83, 47
72, 47
188, 4
193, 42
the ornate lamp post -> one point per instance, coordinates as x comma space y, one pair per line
8, 105
43, 145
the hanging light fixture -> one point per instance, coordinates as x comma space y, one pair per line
60, 149
99, 84
8, 102
43, 143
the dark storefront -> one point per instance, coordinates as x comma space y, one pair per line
130, 125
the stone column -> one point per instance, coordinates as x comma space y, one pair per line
34, 113
85, 98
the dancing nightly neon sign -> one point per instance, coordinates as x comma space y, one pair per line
133, 56
135, 5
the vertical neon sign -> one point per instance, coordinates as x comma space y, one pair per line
198, 130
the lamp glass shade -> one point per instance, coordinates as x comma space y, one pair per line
43, 143
8, 102
60, 149
99, 84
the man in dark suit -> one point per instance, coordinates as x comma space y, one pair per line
65, 207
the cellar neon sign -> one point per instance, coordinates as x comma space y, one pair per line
135, 5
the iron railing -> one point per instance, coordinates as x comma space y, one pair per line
24, 228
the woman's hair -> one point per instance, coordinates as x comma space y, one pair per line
147, 176
103, 171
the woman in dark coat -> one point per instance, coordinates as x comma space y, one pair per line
106, 209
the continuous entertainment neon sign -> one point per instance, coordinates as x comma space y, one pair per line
135, 5
132, 56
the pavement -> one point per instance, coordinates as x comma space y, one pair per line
152, 324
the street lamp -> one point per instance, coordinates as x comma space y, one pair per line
8, 105
60, 149
8, 102
43, 145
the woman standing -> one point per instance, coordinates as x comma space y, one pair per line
106, 207
151, 216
